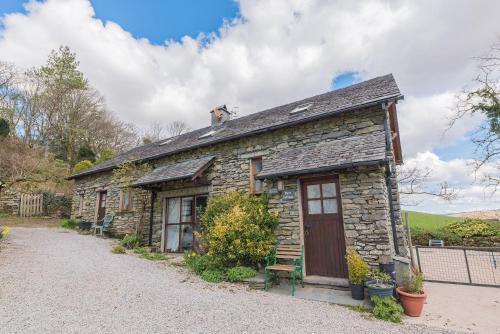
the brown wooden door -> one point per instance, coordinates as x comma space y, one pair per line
323, 227
101, 206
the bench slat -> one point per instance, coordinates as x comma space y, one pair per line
289, 257
288, 253
282, 267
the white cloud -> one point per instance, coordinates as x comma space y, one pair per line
459, 174
279, 51
425, 123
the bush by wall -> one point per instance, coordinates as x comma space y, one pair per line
57, 205
238, 229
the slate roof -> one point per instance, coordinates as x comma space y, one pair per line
366, 149
176, 171
354, 97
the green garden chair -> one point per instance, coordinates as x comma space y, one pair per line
104, 224
290, 258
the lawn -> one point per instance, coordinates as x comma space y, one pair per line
429, 221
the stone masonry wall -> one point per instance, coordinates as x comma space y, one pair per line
9, 201
364, 194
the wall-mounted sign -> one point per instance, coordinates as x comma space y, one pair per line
288, 195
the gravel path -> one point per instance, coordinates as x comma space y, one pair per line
53, 280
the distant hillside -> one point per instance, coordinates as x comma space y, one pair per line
430, 221
487, 214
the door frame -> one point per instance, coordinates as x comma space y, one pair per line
98, 202
300, 200
164, 217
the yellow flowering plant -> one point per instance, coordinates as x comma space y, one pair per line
238, 229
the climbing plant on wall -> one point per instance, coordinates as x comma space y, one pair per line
124, 176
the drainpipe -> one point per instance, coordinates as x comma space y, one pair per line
151, 217
388, 180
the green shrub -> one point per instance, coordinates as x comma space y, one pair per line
213, 275
378, 275
238, 229
118, 249
387, 309
474, 228
56, 205
70, 223
131, 241
200, 263
154, 256
237, 274
82, 165
140, 250
469, 232
413, 282
357, 267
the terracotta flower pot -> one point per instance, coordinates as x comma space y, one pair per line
412, 303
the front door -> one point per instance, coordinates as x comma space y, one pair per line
101, 205
323, 227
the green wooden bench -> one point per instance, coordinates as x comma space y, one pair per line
285, 258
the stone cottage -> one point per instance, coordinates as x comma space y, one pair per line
327, 162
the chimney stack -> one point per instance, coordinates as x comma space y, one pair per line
219, 115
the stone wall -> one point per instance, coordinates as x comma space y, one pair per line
363, 190
9, 201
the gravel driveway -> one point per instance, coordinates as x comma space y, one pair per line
53, 280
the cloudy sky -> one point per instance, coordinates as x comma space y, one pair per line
158, 61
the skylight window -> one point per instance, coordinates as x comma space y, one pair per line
165, 142
208, 134
301, 108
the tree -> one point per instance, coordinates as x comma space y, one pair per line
4, 127
82, 165
177, 128
482, 96
414, 185
156, 131
85, 153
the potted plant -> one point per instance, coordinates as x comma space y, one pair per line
412, 294
358, 269
379, 284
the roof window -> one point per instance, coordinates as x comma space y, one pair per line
302, 107
165, 142
208, 134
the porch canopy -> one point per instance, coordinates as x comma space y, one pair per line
364, 149
181, 170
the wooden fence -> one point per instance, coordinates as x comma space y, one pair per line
31, 205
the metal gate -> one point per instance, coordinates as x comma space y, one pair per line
31, 205
460, 265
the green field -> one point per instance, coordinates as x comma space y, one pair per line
429, 221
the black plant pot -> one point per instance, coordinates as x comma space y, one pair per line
357, 291
85, 226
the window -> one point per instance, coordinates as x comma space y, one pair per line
302, 107
321, 199
81, 203
256, 186
208, 134
126, 203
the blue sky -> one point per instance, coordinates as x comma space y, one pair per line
156, 20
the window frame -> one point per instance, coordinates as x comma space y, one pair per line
253, 174
130, 206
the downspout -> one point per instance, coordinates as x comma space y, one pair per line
151, 217
388, 175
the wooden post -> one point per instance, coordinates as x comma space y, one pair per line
410, 245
